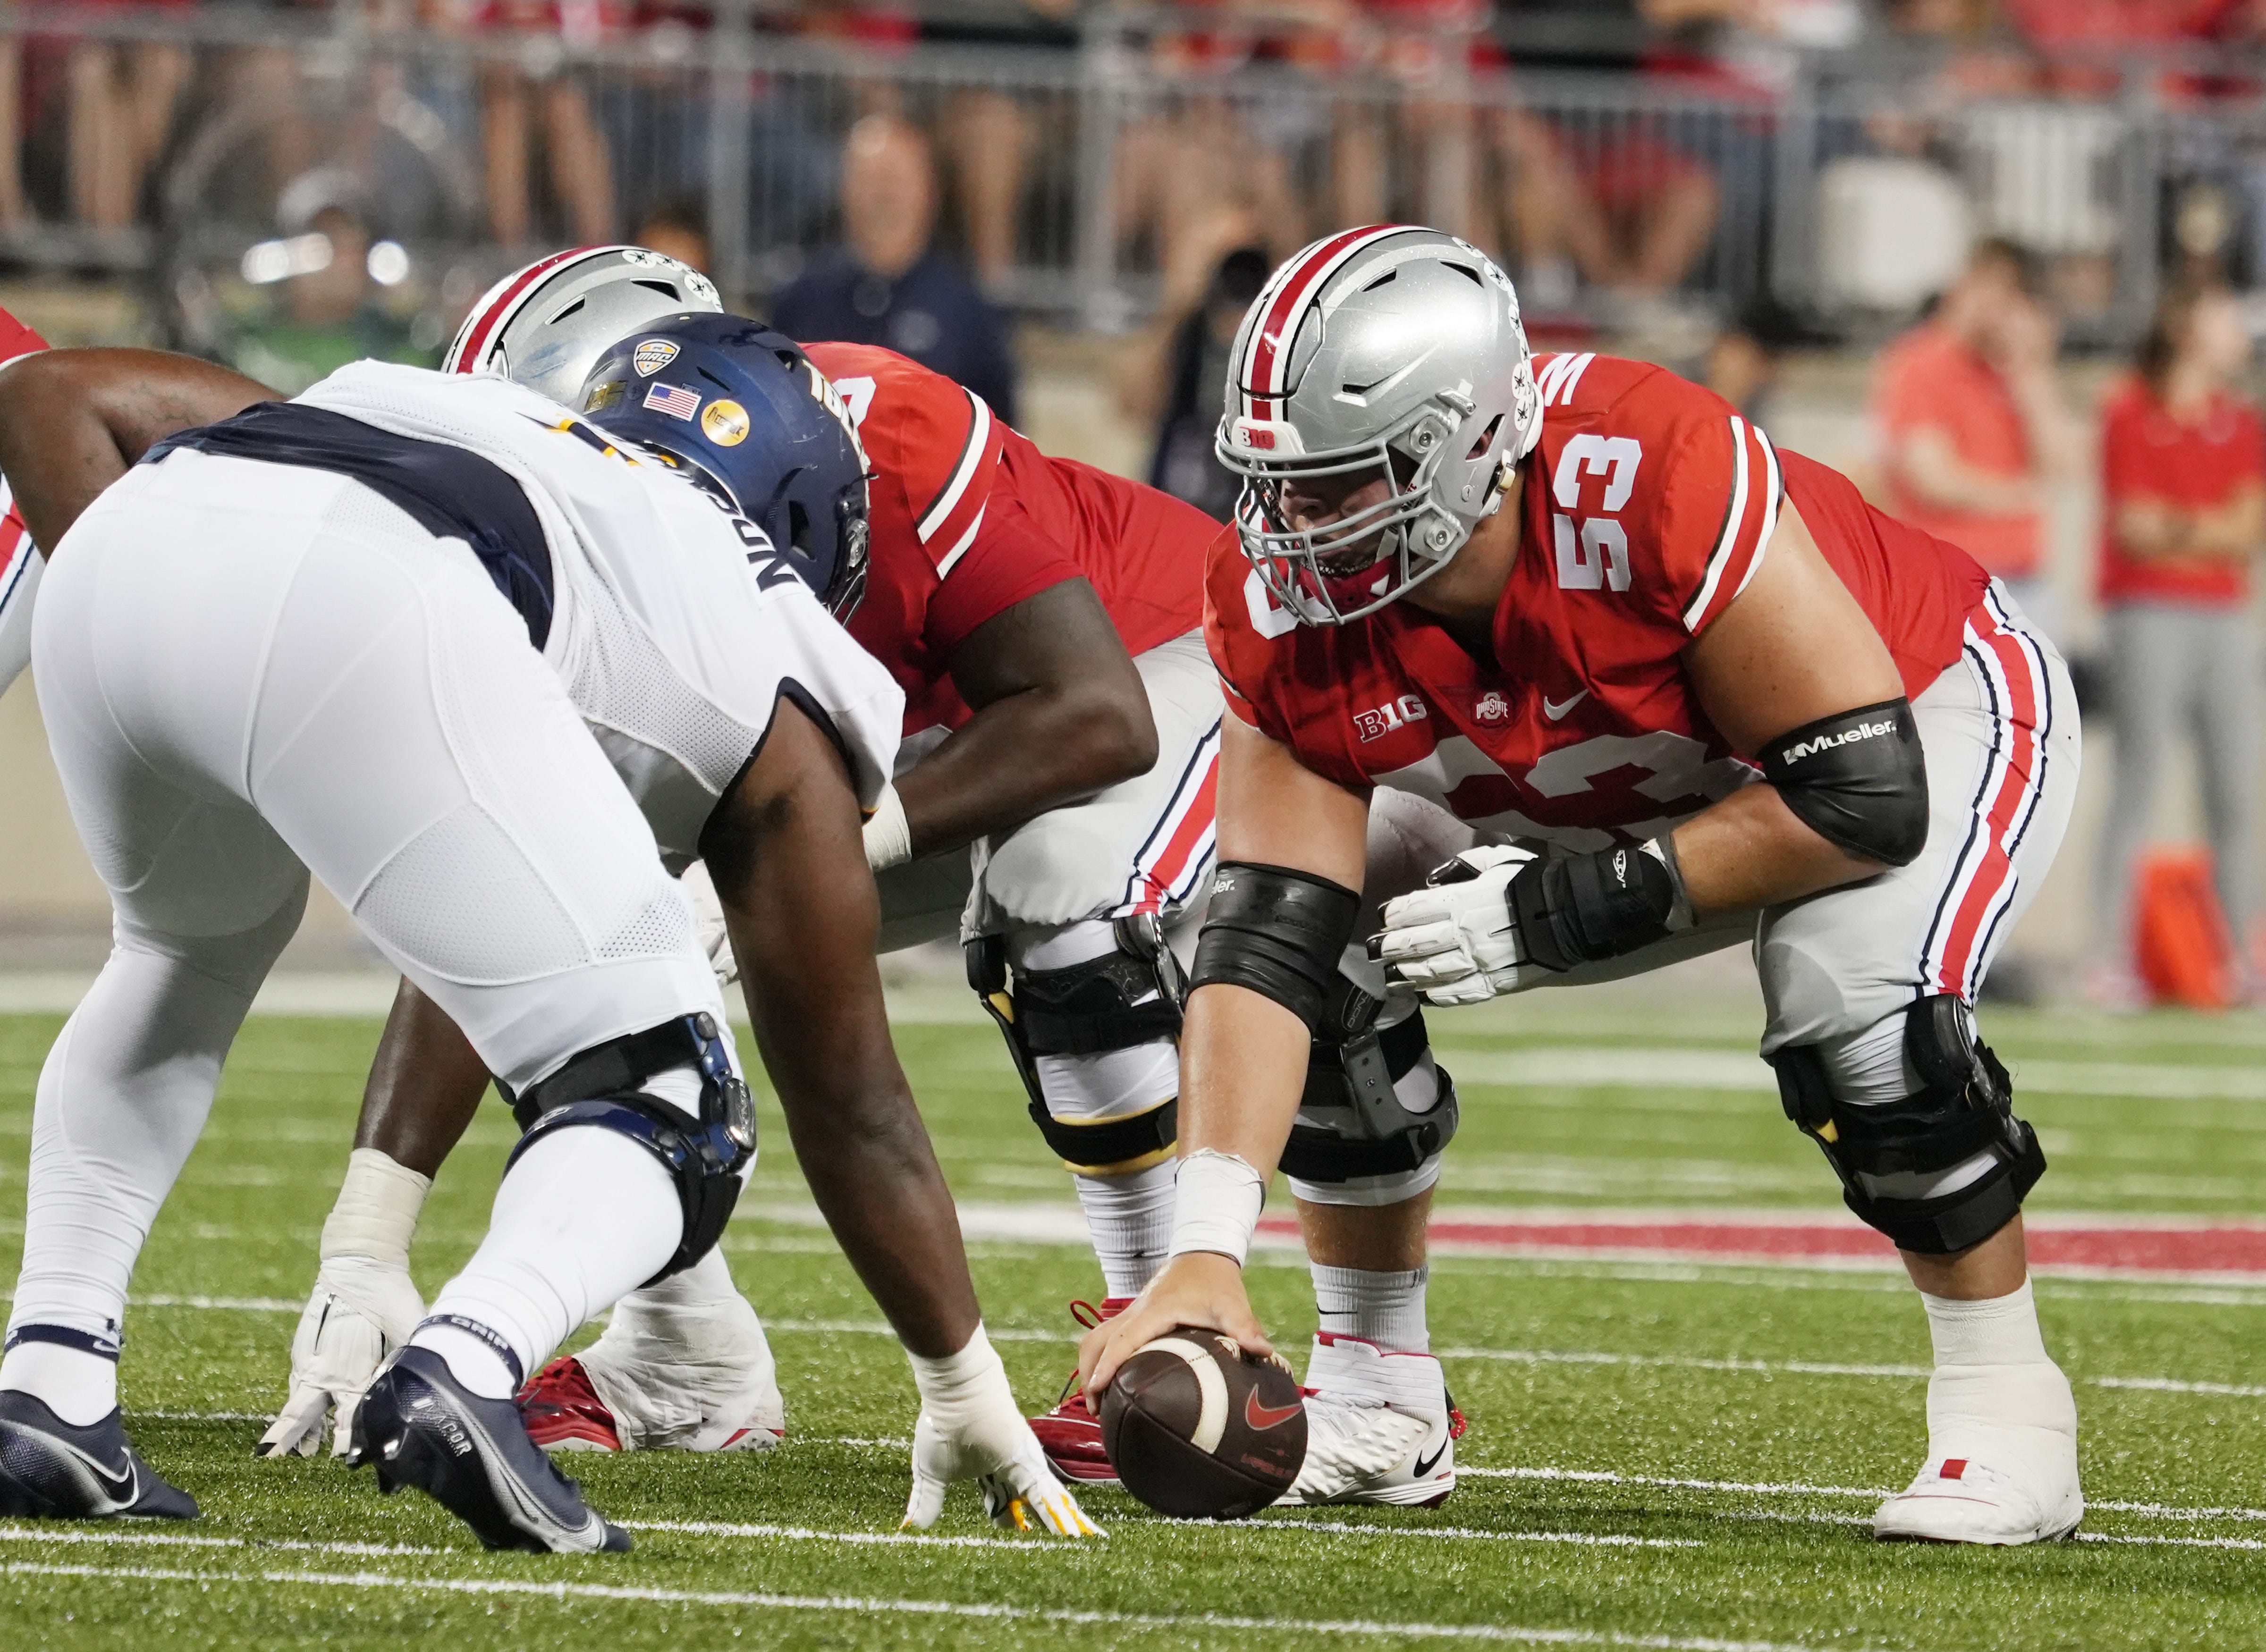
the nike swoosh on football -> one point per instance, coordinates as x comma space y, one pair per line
1555, 709
1261, 1417
1426, 1464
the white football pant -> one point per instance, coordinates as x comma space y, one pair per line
251, 672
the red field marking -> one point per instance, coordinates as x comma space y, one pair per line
2181, 1248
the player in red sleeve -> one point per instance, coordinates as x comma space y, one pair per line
1052, 809
1633, 685
20, 561
1054, 798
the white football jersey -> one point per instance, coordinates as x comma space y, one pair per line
675, 627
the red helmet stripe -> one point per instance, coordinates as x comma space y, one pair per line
1269, 362
483, 327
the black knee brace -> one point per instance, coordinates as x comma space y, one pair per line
1118, 1001
1965, 1106
1350, 1072
600, 1088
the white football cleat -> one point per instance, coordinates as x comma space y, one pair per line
682, 1365
1380, 1427
1986, 1480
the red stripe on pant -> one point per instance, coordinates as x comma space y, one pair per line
2020, 780
1159, 876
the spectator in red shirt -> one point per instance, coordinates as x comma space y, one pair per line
2184, 476
1973, 425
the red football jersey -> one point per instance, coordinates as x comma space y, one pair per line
15, 550
969, 518
1648, 505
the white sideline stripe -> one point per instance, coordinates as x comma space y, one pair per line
1512, 1356
183, 1541
1700, 1067
1683, 1362
808, 1534
1500, 1633
1784, 1488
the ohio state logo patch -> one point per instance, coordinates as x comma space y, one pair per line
1491, 708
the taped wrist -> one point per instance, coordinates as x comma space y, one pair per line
1859, 779
944, 1379
1278, 933
376, 1215
1215, 1204
1574, 909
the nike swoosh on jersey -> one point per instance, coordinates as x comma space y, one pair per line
1261, 1417
1555, 709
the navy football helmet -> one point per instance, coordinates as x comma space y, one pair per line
741, 411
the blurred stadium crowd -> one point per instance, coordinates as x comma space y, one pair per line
2013, 208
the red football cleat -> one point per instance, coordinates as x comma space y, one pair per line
563, 1413
1070, 1434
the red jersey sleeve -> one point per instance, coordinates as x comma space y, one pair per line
1659, 488
16, 340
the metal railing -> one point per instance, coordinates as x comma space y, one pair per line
1079, 173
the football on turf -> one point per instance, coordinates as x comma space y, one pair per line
1200, 1430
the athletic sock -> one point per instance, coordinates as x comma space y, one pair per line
1386, 1309
1992, 1367
1130, 1218
78, 1385
584, 1218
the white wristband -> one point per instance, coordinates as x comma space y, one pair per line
1217, 1205
376, 1212
888, 839
943, 1379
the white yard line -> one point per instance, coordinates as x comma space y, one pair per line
1340, 1528
807, 1534
1795, 1489
1068, 1617
183, 1541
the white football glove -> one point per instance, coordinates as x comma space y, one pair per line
708, 923
1456, 941
970, 1427
363, 1307
361, 1311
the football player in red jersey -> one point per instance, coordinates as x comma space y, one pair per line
20, 562
1636, 685
1052, 809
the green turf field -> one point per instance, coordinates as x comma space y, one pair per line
1662, 1456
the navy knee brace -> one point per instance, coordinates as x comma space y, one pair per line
601, 1087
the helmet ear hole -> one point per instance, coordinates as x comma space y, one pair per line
1486, 441
798, 522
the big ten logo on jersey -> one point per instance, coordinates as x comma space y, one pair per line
1593, 551
1381, 721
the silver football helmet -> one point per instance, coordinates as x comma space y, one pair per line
1390, 354
546, 326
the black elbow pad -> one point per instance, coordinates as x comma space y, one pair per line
1276, 932
1859, 779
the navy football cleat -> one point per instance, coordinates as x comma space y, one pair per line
50, 1470
422, 1428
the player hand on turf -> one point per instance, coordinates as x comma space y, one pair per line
970, 1427
1199, 1288
1456, 940
362, 1310
708, 923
